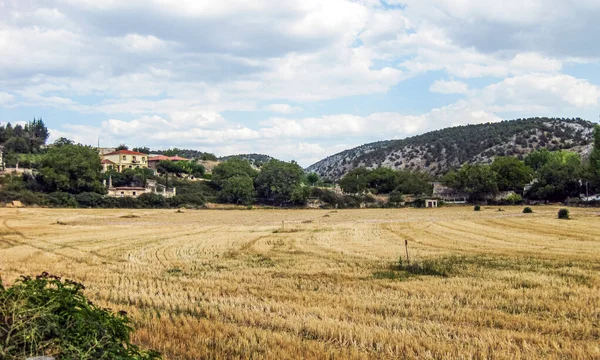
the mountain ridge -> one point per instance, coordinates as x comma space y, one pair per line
439, 151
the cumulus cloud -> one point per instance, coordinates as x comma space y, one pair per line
164, 73
449, 87
283, 108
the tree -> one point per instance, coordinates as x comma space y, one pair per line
413, 182
16, 145
355, 181
312, 179
396, 198
193, 168
594, 162
37, 132
238, 189
558, 178
143, 150
62, 141
71, 168
537, 159
230, 168
477, 180
209, 157
170, 167
278, 180
383, 179
122, 147
511, 173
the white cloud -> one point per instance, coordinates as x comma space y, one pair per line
449, 87
283, 108
6, 98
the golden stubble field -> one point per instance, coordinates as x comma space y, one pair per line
235, 284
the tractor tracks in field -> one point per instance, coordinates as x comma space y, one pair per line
29, 241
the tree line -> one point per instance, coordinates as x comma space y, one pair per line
68, 174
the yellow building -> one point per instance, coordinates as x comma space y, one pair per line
124, 159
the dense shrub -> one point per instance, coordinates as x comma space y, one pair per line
25, 196
49, 316
513, 199
89, 199
62, 199
152, 201
190, 200
527, 210
477, 208
563, 214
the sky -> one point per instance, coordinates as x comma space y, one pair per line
294, 79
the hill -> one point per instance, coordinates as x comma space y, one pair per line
254, 159
439, 151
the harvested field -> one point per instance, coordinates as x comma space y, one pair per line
326, 284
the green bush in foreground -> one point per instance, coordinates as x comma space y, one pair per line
563, 214
477, 208
49, 316
527, 210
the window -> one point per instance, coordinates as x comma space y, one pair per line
124, 157
134, 193
131, 166
143, 159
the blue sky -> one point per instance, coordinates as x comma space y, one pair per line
296, 79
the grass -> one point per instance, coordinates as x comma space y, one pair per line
222, 284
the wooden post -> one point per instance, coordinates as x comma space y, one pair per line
406, 245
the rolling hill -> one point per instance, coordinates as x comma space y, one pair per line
439, 151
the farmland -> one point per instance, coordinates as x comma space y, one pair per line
325, 284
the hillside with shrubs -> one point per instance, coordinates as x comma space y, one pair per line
438, 152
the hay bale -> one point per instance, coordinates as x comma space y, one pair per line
15, 204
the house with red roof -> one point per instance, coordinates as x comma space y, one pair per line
154, 160
120, 160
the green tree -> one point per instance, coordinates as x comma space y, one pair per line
16, 145
511, 173
383, 179
537, 159
170, 167
477, 180
238, 189
413, 182
312, 179
143, 149
558, 178
594, 162
122, 147
355, 181
62, 141
71, 168
278, 180
230, 168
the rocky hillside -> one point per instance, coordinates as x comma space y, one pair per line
438, 151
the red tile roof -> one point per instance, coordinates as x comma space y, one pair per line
163, 158
106, 161
125, 152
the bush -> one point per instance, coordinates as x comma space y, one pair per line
25, 196
513, 199
186, 200
50, 316
62, 199
152, 201
563, 214
477, 208
89, 199
527, 210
